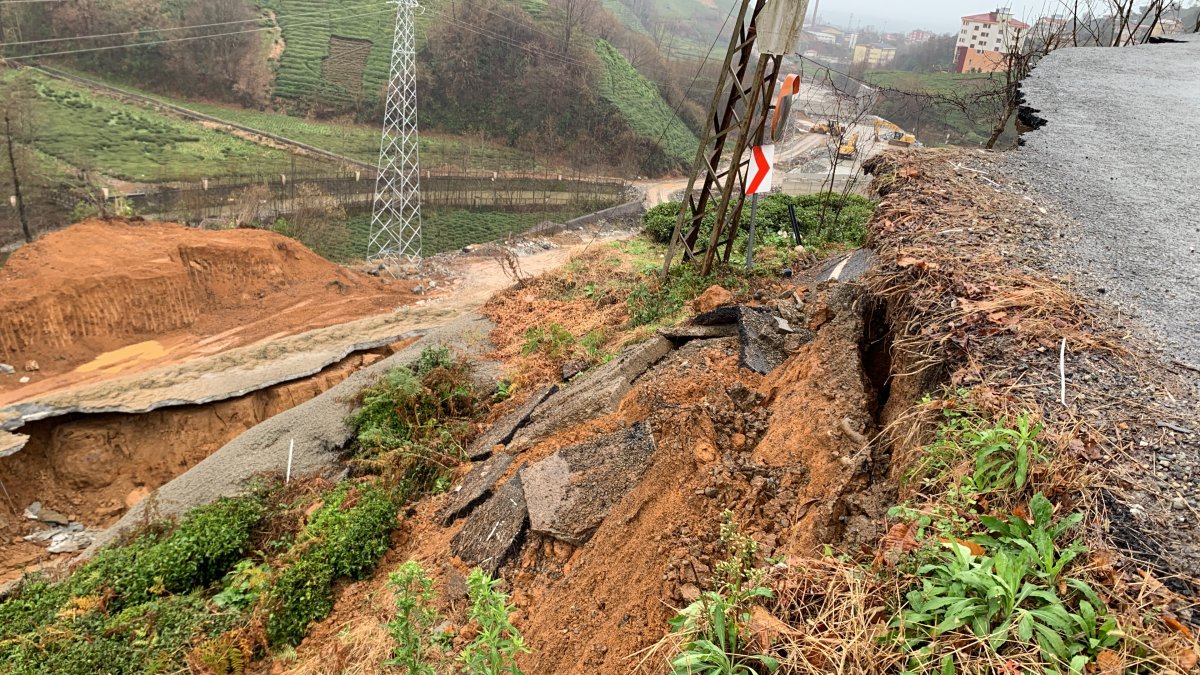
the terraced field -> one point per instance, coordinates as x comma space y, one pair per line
140, 144
643, 107
449, 229
301, 76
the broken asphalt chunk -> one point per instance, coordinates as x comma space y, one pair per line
491, 532
570, 492
501, 433
475, 485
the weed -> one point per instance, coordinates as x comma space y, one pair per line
504, 391
415, 616
593, 344
494, 650
555, 342
243, 585
713, 626
411, 425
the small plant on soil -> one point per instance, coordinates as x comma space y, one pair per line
554, 341
1013, 592
415, 617
713, 627
495, 648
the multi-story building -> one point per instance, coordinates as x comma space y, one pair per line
873, 55
920, 36
985, 39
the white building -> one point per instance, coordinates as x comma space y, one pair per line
984, 40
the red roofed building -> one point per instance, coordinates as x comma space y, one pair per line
985, 39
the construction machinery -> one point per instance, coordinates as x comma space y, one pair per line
893, 134
829, 127
849, 148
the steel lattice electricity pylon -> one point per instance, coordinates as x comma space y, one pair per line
396, 224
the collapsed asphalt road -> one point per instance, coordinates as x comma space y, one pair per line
1120, 153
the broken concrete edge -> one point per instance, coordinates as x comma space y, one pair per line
318, 427
11, 443
502, 431
17, 415
474, 487
598, 393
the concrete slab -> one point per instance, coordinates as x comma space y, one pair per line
596, 394
317, 426
570, 492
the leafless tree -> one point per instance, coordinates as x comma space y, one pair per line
574, 13
17, 128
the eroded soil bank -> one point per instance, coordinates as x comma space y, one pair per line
92, 467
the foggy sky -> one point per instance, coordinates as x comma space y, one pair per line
940, 16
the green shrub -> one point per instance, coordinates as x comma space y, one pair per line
415, 617
206, 543
822, 218
659, 222
494, 650
344, 538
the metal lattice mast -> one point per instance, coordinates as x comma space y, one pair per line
396, 224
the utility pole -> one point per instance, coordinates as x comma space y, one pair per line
396, 222
738, 113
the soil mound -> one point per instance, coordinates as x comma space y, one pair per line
104, 296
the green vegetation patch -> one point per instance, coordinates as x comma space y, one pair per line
449, 229
344, 538
133, 608
824, 218
136, 143
642, 106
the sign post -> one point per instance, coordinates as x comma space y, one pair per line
758, 179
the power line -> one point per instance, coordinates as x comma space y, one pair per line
148, 29
679, 106
180, 39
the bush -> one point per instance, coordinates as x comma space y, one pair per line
199, 551
659, 222
345, 538
824, 217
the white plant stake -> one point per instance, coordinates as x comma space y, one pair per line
291, 447
1062, 372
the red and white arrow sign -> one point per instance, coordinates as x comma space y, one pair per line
758, 179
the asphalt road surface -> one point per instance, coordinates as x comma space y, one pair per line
1120, 153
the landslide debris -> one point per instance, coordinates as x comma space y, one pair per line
107, 296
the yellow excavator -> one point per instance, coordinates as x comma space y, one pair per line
849, 148
828, 127
893, 134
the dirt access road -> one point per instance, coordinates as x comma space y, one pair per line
1119, 153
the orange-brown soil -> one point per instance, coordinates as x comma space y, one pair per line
771, 449
103, 298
